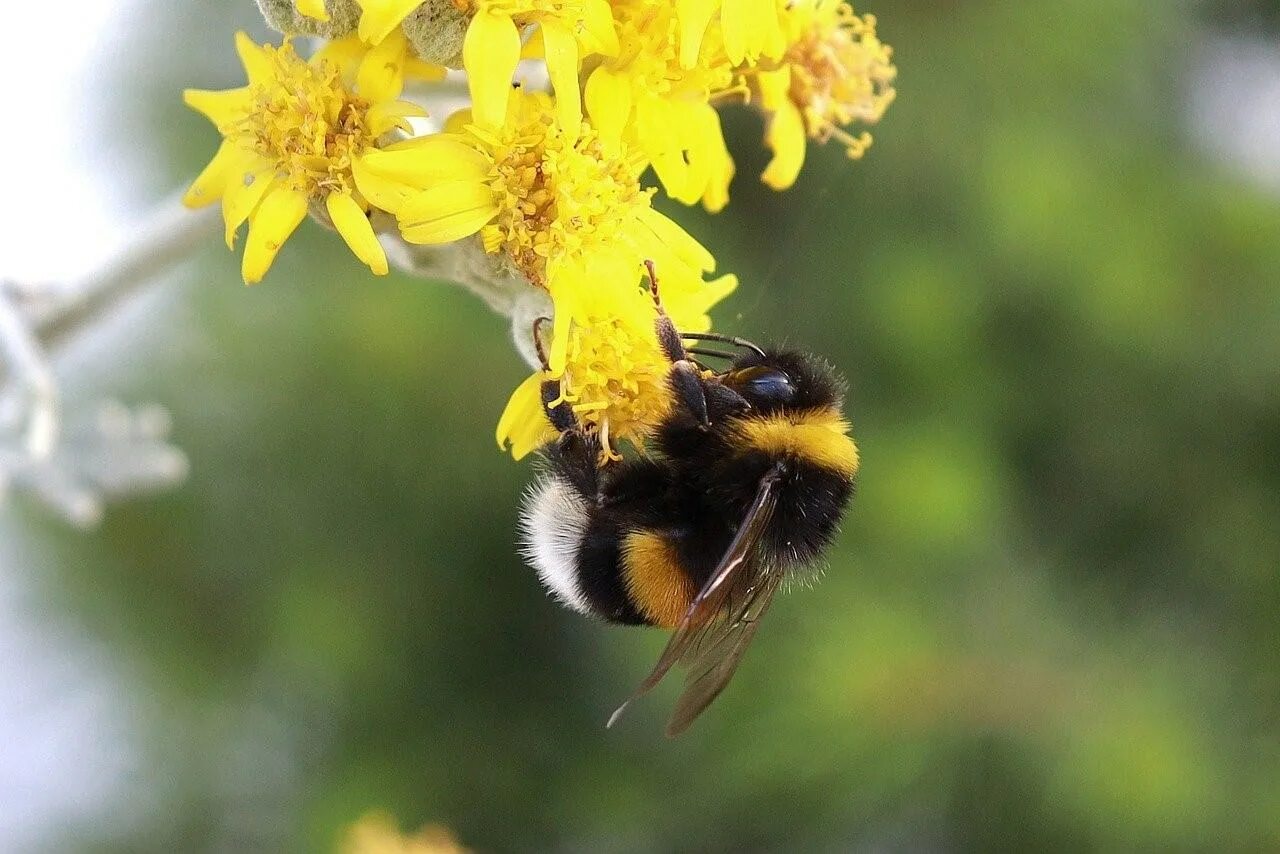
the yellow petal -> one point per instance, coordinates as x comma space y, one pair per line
598, 34
715, 164
220, 107
245, 188
733, 29
774, 44
608, 98
208, 187
536, 433
786, 137
764, 25
775, 87
657, 139
693, 17
524, 423
533, 48
345, 54
380, 17
458, 121
654, 122
355, 229
381, 74
381, 191
750, 28
313, 9
447, 212
673, 172
427, 72
430, 159
490, 52
677, 240
257, 64
689, 120
562, 68
563, 309
688, 305
275, 219
387, 115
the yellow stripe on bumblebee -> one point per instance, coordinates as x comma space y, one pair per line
656, 583
817, 436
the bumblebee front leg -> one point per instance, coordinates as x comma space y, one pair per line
574, 455
704, 401
559, 413
686, 376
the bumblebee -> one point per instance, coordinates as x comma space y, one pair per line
749, 476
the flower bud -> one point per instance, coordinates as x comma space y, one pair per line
283, 15
436, 29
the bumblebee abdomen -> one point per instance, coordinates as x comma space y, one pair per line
657, 581
553, 524
608, 564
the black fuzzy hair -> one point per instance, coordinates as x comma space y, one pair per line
815, 380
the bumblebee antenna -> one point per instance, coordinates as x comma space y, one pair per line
537, 342
702, 351
676, 346
725, 339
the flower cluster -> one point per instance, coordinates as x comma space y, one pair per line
548, 181
377, 833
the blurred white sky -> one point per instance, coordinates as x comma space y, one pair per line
1234, 105
49, 174
64, 713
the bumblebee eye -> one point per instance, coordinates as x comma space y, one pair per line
762, 384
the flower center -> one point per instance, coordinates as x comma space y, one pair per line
615, 381
558, 197
840, 73
306, 121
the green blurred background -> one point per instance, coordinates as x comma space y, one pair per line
1052, 620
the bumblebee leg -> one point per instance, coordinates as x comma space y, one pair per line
723, 402
575, 457
668, 336
558, 411
686, 382
686, 376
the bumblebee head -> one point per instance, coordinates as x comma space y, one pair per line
795, 414
779, 380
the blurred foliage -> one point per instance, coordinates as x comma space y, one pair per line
1050, 621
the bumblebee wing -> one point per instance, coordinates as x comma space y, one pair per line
713, 658
722, 619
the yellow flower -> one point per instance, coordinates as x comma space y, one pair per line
569, 29
296, 136
378, 18
835, 72
376, 833
660, 99
566, 210
751, 28
613, 376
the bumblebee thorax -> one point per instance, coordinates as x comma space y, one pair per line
818, 437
